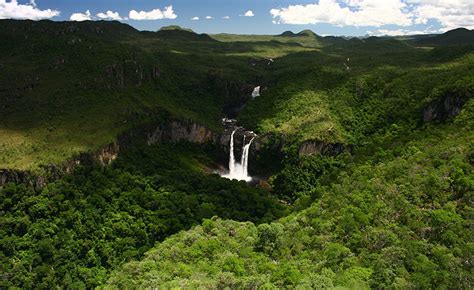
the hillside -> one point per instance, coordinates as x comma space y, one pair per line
100, 79
362, 159
78, 90
400, 219
393, 214
456, 37
303, 38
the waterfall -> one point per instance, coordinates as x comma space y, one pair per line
256, 92
238, 170
245, 158
232, 166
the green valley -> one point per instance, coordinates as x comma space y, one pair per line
114, 141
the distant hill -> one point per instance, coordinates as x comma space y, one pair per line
175, 27
288, 34
178, 33
370, 43
459, 36
105, 30
108, 30
307, 32
456, 37
335, 40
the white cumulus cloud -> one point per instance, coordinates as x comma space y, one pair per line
226, 17
154, 14
12, 9
81, 16
355, 13
195, 18
249, 13
109, 15
401, 32
209, 17
449, 13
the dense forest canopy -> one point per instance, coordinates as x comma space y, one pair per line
363, 161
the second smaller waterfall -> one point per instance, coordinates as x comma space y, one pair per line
238, 170
256, 92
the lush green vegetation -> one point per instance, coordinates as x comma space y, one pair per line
76, 229
99, 79
313, 97
401, 219
394, 210
76, 80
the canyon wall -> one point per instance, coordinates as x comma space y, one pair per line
171, 131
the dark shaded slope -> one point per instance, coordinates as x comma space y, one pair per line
288, 34
106, 30
456, 37
183, 35
68, 87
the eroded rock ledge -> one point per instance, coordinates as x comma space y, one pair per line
320, 147
175, 131
171, 131
446, 107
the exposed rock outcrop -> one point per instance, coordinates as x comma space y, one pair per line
104, 156
223, 139
175, 131
17, 176
444, 108
172, 131
107, 154
321, 147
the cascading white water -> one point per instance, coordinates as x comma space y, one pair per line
238, 170
256, 92
231, 155
245, 158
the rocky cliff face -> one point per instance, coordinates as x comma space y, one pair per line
172, 131
176, 131
16, 176
241, 134
320, 147
104, 156
444, 108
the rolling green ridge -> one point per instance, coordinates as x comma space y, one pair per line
99, 79
393, 209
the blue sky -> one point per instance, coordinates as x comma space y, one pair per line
325, 17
